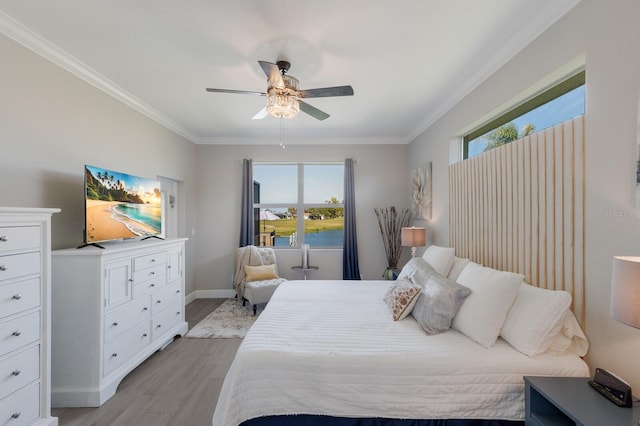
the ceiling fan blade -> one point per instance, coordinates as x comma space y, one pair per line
273, 74
260, 114
239, 92
327, 91
313, 111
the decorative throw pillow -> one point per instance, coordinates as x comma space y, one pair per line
416, 264
484, 311
438, 304
441, 258
260, 273
535, 319
401, 297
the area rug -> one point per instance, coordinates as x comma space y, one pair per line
228, 320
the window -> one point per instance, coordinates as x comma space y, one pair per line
558, 104
299, 203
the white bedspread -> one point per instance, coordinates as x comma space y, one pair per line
332, 348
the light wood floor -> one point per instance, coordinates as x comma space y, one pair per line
178, 386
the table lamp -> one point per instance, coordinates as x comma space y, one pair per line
625, 290
413, 237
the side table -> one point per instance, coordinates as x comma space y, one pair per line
305, 271
571, 401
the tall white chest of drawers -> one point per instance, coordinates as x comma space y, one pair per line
112, 308
25, 247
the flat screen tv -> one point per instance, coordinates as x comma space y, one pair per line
120, 206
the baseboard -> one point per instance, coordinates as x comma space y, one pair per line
209, 294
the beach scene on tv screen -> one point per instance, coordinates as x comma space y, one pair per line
121, 206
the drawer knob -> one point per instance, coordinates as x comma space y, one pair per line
145, 309
17, 296
178, 313
130, 280
16, 415
144, 335
152, 273
3, 267
177, 291
158, 302
159, 326
115, 324
152, 285
114, 355
153, 260
16, 372
168, 266
4, 238
16, 333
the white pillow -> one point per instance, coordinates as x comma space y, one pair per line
457, 267
440, 258
483, 312
570, 338
535, 319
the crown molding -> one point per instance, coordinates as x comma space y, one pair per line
330, 140
530, 31
38, 44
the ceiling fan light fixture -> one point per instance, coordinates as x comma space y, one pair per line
282, 106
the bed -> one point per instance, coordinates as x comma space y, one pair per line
329, 352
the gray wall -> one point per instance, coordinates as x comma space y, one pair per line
52, 124
381, 180
605, 36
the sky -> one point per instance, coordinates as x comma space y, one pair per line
279, 182
561, 109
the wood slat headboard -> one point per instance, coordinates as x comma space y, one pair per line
520, 208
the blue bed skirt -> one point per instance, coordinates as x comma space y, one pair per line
312, 420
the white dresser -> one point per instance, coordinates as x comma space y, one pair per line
111, 309
25, 300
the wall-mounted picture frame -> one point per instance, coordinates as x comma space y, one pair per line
421, 195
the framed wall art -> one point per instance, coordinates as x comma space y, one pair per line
421, 196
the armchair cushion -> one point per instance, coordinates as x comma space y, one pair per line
260, 273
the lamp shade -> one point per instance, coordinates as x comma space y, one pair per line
625, 290
413, 236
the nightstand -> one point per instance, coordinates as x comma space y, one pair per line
571, 401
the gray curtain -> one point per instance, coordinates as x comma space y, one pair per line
246, 212
350, 268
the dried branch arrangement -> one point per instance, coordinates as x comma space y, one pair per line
391, 222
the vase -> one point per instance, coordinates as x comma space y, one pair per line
390, 273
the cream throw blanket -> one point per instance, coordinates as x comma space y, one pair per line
244, 256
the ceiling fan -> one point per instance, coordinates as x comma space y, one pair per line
283, 95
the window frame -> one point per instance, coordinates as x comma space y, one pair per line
548, 95
300, 205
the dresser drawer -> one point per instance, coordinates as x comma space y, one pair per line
155, 273
17, 265
22, 408
19, 370
122, 319
120, 350
19, 238
162, 322
150, 260
18, 332
19, 296
164, 297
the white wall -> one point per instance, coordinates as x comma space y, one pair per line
381, 180
52, 124
607, 36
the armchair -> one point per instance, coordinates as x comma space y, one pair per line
256, 275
